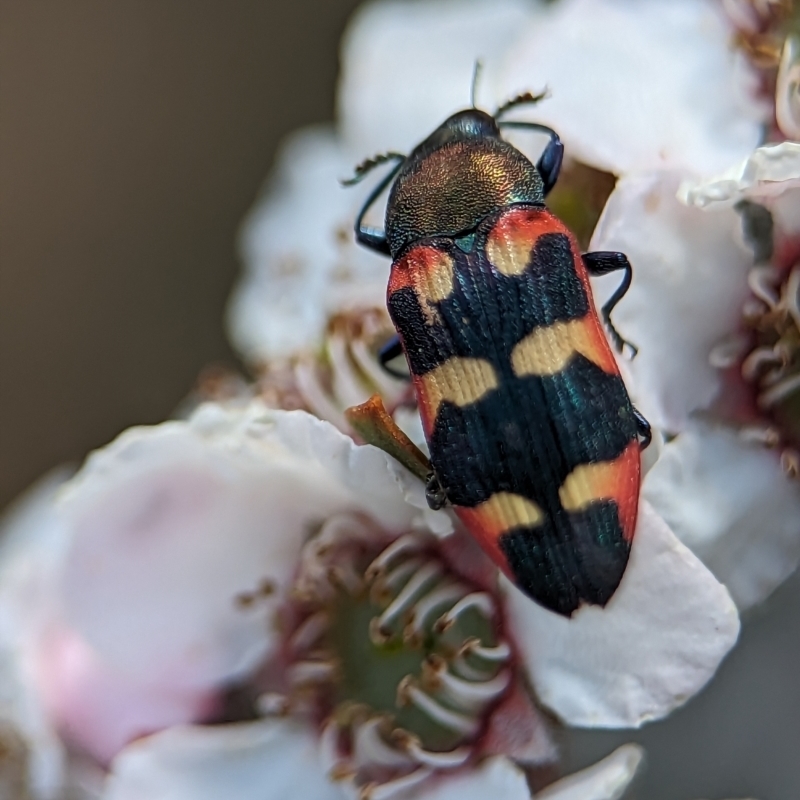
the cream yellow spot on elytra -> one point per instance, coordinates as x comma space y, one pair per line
546, 351
509, 254
437, 285
504, 510
586, 484
461, 381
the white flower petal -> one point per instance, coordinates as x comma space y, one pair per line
29, 538
731, 503
605, 780
171, 524
689, 283
495, 778
407, 66
254, 761
767, 172
639, 88
787, 99
300, 258
657, 642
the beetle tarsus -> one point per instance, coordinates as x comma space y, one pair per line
643, 429
522, 99
368, 164
434, 493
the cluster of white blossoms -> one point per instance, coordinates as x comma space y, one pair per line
247, 603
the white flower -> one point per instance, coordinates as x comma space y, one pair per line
170, 553
633, 89
186, 764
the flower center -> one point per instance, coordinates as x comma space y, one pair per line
772, 367
344, 372
398, 658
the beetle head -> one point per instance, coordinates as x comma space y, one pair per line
472, 123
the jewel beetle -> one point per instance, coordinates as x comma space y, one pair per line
533, 439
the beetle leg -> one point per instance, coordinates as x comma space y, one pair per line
374, 238
643, 429
757, 229
601, 263
375, 426
391, 350
549, 163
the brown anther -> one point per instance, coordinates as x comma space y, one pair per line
350, 713
374, 572
366, 791
443, 624
432, 668
764, 50
344, 580
468, 645
379, 594
263, 591
245, 599
790, 461
342, 772
403, 698
377, 634
411, 636
402, 738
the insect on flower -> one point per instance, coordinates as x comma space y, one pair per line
532, 436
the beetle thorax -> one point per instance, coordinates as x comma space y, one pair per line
449, 190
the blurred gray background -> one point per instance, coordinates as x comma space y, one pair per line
134, 134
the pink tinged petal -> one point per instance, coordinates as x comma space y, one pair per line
301, 263
606, 780
494, 778
642, 87
249, 761
172, 525
100, 708
689, 283
765, 173
518, 730
656, 643
731, 503
408, 66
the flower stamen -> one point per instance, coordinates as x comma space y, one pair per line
418, 581
409, 693
480, 600
395, 694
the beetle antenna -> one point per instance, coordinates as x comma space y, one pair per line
523, 99
476, 73
369, 164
